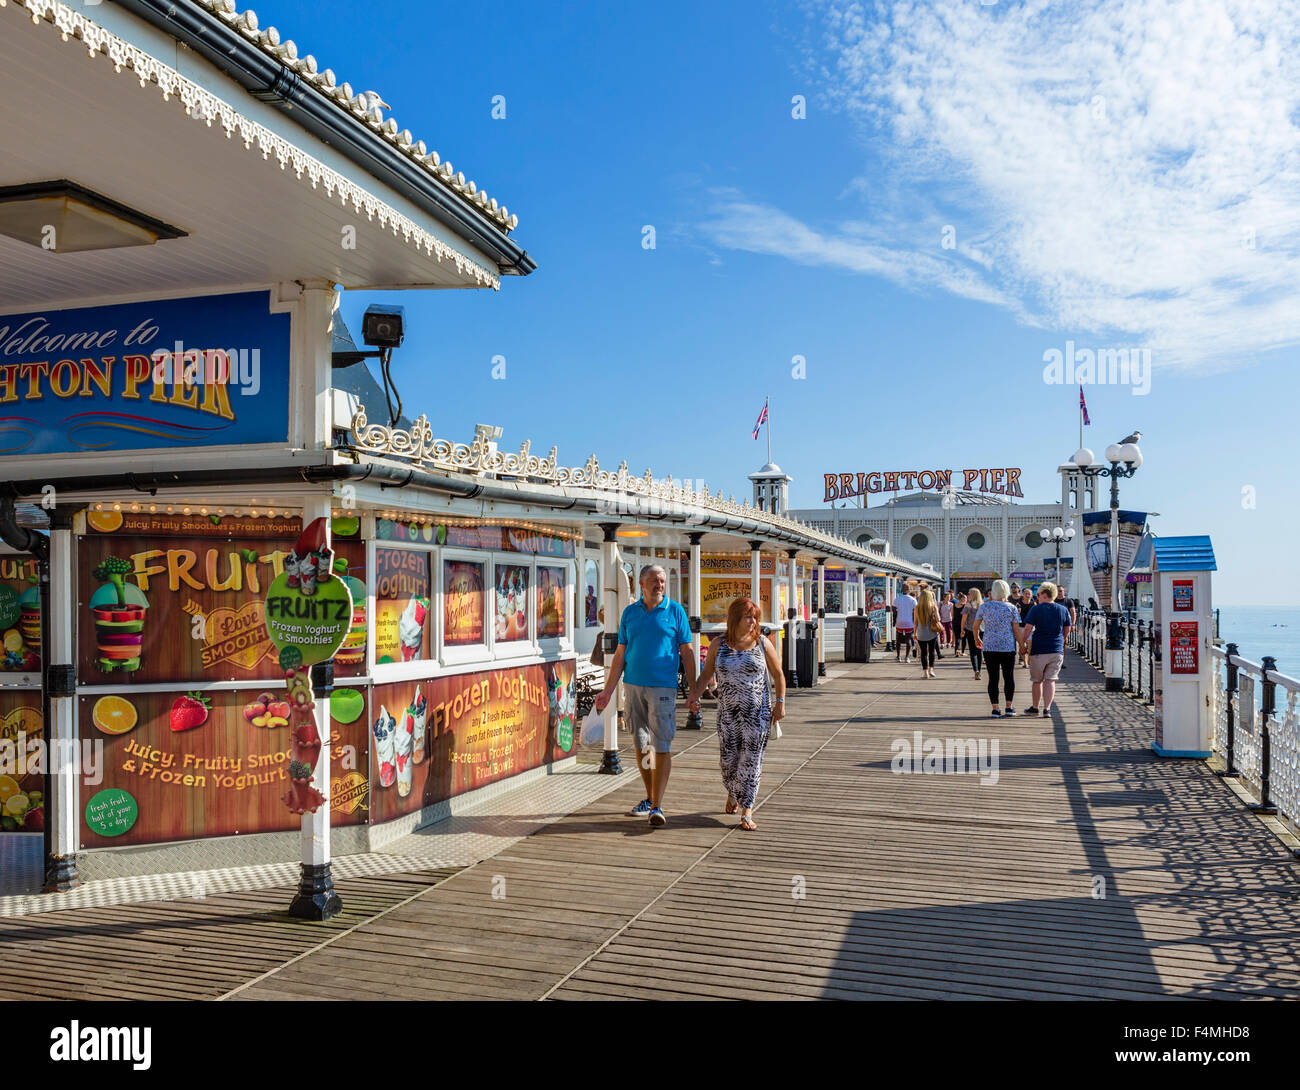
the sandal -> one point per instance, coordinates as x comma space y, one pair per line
731, 805
747, 823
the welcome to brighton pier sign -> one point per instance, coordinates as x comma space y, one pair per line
839, 486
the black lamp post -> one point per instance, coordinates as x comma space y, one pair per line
1057, 537
1124, 459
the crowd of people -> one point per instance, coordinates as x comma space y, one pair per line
1016, 627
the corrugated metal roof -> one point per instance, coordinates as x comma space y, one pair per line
1184, 553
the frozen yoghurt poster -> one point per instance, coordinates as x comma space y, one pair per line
402, 597
511, 602
178, 598
433, 739
20, 614
552, 588
184, 764
462, 603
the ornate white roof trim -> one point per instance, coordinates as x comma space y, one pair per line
482, 458
202, 105
365, 106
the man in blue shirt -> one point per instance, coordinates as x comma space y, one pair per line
1047, 626
653, 634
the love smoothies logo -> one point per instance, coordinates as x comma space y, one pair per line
138, 375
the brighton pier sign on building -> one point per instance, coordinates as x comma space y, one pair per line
839, 486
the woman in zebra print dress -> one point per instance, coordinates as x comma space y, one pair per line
742, 660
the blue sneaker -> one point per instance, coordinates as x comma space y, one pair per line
657, 817
641, 808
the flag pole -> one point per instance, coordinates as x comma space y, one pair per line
767, 398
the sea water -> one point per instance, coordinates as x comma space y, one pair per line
1264, 630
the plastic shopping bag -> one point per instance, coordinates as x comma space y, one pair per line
593, 728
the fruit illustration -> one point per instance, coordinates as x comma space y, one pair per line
34, 819
114, 715
119, 610
347, 705
8, 788
345, 525
267, 711
190, 711
106, 522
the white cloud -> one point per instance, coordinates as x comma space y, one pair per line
1107, 159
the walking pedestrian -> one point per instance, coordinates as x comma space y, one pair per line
973, 602
958, 623
1047, 627
945, 618
742, 660
997, 633
1024, 604
904, 607
653, 634
928, 630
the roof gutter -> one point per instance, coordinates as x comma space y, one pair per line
389, 476
267, 80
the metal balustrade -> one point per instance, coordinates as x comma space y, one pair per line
1257, 731
1141, 650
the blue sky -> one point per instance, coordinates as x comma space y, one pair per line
1120, 178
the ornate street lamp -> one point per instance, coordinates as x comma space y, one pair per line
1124, 459
1057, 537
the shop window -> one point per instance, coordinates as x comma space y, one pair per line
976, 540
1034, 539
591, 594
552, 598
403, 593
464, 607
510, 603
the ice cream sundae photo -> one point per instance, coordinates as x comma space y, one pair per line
311, 560
405, 766
418, 712
410, 628
385, 731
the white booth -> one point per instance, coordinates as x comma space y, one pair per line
1184, 619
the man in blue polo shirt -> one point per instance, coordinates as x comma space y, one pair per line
653, 634
1046, 628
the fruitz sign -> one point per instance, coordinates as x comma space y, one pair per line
136, 376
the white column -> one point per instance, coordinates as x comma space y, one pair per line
613, 573
696, 596
821, 616
316, 898
755, 574
62, 809
789, 616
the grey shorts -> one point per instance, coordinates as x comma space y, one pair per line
1045, 667
651, 716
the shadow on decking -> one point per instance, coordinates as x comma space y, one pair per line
1226, 921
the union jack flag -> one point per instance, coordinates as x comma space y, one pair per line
1083, 407
762, 418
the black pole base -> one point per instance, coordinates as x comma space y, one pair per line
694, 721
61, 874
1114, 685
791, 679
1265, 809
1227, 773
821, 669
610, 765
316, 898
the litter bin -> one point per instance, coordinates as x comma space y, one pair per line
805, 665
857, 643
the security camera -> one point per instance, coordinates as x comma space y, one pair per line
383, 326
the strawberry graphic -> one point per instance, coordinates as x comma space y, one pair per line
190, 711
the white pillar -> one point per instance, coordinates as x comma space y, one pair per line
63, 807
613, 574
694, 720
316, 898
821, 616
755, 574
789, 616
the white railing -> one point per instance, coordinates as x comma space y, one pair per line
1256, 726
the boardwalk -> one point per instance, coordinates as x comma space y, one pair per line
1090, 869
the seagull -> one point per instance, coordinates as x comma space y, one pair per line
373, 99
1135, 437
